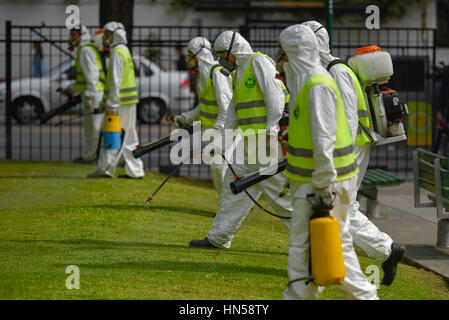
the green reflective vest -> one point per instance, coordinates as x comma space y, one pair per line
208, 102
128, 89
300, 161
365, 123
80, 85
251, 111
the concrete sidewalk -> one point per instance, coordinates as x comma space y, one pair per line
415, 228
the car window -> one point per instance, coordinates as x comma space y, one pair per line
55, 71
147, 70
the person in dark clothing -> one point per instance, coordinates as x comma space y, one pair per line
181, 62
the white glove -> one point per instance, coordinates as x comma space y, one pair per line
89, 102
179, 121
324, 194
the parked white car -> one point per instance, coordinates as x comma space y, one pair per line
159, 91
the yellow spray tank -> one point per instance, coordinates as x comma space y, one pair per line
112, 132
325, 247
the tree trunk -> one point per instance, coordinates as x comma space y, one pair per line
119, 11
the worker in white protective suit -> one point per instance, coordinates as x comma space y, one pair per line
90, 81
215, 93
255, 110
377, 244
321, 161
121, 97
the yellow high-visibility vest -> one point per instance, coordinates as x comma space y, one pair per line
128, 89
249, 101
80, 85
208, 102
300, 161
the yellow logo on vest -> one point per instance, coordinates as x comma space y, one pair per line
250, 82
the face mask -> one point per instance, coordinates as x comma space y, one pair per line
107, 41
190, 61
228, 66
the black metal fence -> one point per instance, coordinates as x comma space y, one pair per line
163, 88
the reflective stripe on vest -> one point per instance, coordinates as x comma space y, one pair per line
301, 163
128, 88
80, 85
362, 137
208, 102
249, 101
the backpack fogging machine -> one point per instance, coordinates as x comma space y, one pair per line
374, 68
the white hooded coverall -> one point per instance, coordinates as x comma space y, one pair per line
365, 234
223, 91
91, 98
109, 158
301, 47
233, 209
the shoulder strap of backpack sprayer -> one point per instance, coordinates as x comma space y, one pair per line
336, 61
341, 61
215, 66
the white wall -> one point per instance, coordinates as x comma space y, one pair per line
411, 19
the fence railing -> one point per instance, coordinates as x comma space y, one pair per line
163, 88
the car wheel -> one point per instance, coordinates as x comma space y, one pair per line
151, 110
26, 109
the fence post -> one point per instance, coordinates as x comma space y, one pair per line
329, 20
8, 106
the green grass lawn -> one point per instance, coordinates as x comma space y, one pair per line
53, 217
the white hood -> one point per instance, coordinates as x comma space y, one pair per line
119, 32
301, 47
323, 41
203, 50
241, 49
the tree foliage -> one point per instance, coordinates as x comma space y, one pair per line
120, 11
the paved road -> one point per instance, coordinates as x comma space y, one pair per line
415, 228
